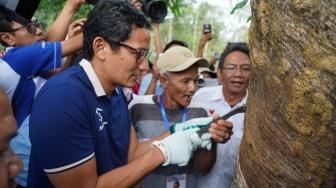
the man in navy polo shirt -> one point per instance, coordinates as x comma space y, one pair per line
80, 127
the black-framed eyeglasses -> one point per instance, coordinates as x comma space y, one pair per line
31, 28
141, 54
231, 69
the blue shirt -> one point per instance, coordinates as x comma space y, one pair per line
145, 84
20, 69
72, 121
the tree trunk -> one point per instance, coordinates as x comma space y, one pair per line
290, 124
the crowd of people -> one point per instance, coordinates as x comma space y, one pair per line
82, 106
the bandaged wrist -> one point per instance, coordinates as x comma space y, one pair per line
162, 148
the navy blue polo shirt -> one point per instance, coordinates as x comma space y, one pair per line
72, 121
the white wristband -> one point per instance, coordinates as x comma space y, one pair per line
162, 148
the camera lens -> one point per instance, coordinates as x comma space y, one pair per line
156, 10
201, 81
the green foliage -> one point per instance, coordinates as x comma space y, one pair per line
239, 6
249, 19
187, 22
49, 9
174, 6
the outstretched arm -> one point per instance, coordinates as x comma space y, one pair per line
138, 149
58, 30
85, 175
202, 42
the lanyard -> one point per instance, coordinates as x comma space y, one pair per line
164, 115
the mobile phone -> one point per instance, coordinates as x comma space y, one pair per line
206, 28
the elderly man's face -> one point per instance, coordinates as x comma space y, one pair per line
10, 164
181, 86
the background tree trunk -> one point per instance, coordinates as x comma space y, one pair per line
290, 124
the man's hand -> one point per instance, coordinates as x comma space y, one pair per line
178, 148
76, 27
204, 39
221, 130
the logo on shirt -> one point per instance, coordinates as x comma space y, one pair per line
211, 111
103, 123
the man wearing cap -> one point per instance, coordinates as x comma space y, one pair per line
153, 115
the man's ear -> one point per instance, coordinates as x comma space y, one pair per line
7, 38
99, 45
219, 75
164, 80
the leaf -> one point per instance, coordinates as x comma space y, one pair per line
239, 6
249, 19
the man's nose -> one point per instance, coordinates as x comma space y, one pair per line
143, 66
192, 86
39, 31
238, 72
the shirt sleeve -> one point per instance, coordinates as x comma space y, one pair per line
60, 130
31, 60
144, 84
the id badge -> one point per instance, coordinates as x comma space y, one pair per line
176, 181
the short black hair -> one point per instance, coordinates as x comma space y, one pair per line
175, 42
7, 17
6, 21
231, 47
112, 20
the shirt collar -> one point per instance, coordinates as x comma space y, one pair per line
93, 77
8, 48
218, 95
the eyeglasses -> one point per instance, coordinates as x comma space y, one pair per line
141, 54
231, 69
31, 27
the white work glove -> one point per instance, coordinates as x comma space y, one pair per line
191, 124
178, 148
206, 141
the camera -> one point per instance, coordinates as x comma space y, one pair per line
92, 2
156, 10
201, 81
206, 28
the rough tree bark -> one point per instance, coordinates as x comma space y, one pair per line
290, 125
